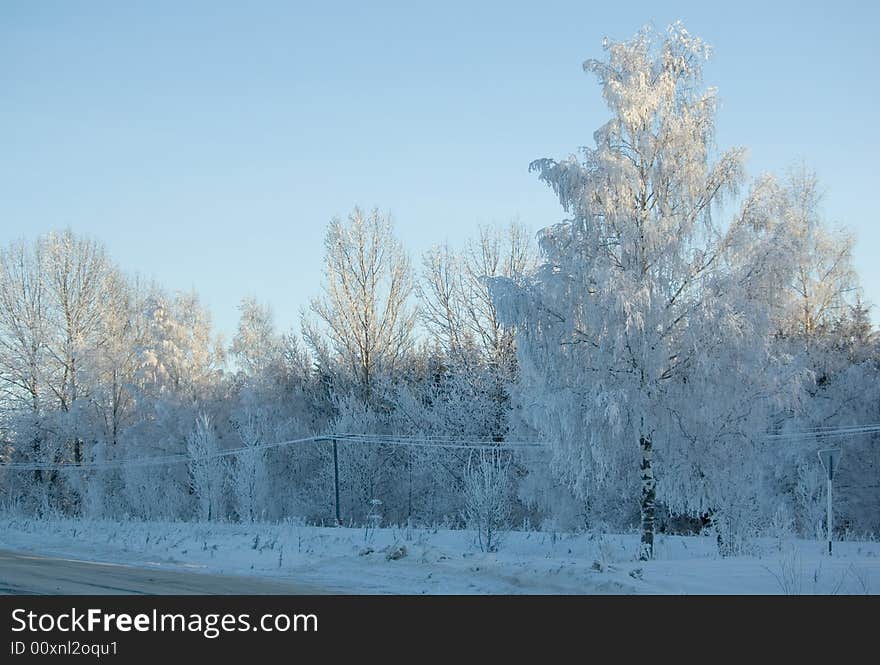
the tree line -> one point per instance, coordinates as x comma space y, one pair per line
660, 341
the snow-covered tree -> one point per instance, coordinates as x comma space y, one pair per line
207, 471
642, 287
250, 475
114, 367
180, 354
824, 285
257, 347
24, 342
365, 310
56, 296
457, 307
80, 281
487, 496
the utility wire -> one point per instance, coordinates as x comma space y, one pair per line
423, 441
159, 460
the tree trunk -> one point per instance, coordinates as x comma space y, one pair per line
38, 474
646, 550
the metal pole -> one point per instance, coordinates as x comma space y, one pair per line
829, 458
829, 514
336, 480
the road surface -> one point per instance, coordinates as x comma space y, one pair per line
23, 573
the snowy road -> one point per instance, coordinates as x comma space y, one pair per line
22, 573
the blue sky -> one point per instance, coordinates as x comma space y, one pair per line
207, 144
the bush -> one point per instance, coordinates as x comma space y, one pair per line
487, 497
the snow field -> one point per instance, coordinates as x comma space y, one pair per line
444, 561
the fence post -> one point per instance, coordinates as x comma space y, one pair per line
336, 480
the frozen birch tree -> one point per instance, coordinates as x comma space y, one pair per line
824, 283
180, 355
641, 282
79, 279
114, 365
206, 469
24, 337
457, 306
487, 496
24, 327
56, 295
257, 347
85, 291
250, 475
365, 306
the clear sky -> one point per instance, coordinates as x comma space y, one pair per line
207, 144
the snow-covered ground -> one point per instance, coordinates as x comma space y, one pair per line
442, 561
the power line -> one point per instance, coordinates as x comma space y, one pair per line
381, 440
829, 433
436, 442
421, 441
159, 460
